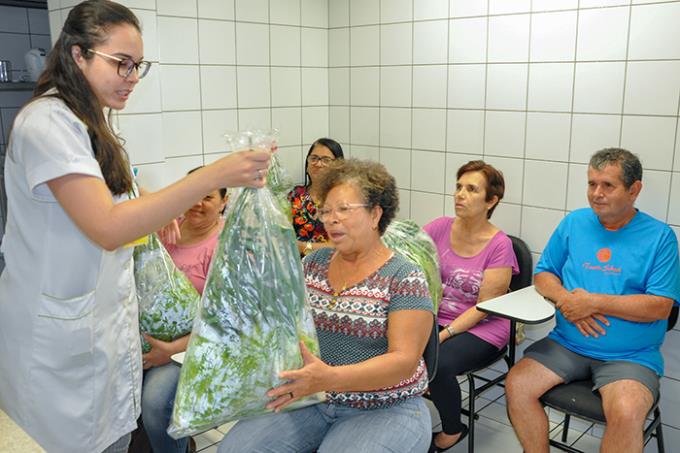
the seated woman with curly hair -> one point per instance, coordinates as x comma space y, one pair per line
373, 316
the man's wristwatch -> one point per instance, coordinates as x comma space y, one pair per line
450, 331
308, 248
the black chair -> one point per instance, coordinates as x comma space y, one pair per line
431, 353
577, 399
519, 281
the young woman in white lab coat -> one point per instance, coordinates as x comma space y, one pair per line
70, 358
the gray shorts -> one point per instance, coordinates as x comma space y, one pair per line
571, 366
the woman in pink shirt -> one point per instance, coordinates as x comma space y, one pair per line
477, 262
191, 251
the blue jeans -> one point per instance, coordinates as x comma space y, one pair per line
405, 427
158, 397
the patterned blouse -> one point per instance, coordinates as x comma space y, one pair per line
352, 326
305, 221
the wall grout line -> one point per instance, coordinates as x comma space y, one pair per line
571, 113
625, 73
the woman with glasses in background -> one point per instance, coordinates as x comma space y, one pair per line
373, 316
70, 355
304, 199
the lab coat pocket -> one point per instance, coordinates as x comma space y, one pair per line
62, 374
64, 331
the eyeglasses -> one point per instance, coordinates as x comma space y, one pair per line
312, 159
126, 65
341, 212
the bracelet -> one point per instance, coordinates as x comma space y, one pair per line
451, 332
308, 249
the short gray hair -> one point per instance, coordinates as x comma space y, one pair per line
631, 168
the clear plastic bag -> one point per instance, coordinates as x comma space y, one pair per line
280, 183
252, 315
408, 239
167, 299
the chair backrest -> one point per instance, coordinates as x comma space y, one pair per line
672, 318
431, 353
526, 267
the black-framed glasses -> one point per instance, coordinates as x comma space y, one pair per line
312, 159
126, 65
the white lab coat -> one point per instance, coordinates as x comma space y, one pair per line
70, 357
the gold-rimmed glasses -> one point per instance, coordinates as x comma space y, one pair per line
341, 212
126, 65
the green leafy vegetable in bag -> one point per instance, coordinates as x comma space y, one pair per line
167, 299
280, 184
252, 315
406, 238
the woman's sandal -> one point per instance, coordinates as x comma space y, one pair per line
434, 449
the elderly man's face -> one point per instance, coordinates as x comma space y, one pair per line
608, 196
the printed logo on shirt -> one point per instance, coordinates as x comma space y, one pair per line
603, 256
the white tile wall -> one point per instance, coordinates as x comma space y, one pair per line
395, 127
428, 171
602, 34
429, 86
395, 86
506, 86
508, 38
465, 131
216, 9
467, 40
504, 133
396, 10
430, 42
547, 136
551, 86
553, 36
365, 86
398, 163
467, 86
396, 43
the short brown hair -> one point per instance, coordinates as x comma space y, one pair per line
377, 186
495, 183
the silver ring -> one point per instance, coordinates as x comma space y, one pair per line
258, 175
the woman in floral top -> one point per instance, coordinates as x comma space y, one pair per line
309, 230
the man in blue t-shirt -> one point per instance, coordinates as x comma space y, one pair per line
614, 276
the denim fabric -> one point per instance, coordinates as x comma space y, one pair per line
404, 427
158, 397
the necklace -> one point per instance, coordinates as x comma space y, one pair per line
336, 293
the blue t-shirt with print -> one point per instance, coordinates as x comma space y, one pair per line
640, 258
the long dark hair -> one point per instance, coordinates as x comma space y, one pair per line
87, 26
329, 143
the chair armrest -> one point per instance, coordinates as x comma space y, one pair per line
525, 305
178, 358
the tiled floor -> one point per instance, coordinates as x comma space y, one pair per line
493, 432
